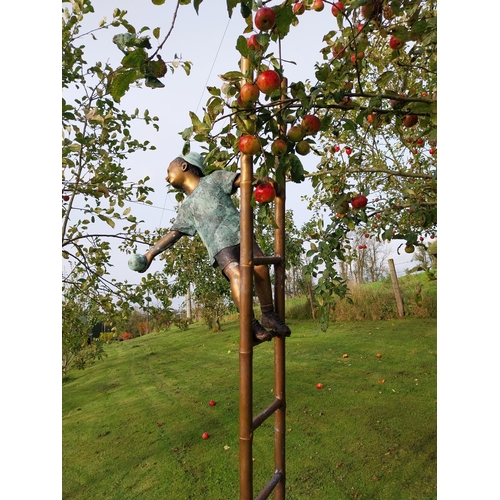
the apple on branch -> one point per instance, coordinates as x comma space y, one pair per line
359, 201
310, 124
295, 133
265, 19
268, 81
249, 93
252, 42
264, 192
337, 8
249, 144
318, 5
279, 147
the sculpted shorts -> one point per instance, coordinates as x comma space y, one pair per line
230, 256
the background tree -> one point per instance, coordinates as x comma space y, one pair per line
375, 95
79, 315
375, 98
97, 139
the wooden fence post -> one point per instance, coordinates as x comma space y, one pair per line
395, 286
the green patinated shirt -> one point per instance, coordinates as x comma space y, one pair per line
210, 212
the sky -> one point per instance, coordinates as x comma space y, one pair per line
208, 41
468, 345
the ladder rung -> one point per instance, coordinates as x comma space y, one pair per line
267, 259
277, 477
275, 405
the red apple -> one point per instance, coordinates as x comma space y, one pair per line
410, 120
265, 19
212, 402
303, 148
264, 193
336, 148
337, 8
359, 201
379, 355
367, 10
252, 42
319, 386
249, 93
318, 5
249, 144
268, 81
432, 151
338, 51
205, 435
278, 147
65, 197
395, 43
295, 133
367, 235
348, 151
298, 8
310, 125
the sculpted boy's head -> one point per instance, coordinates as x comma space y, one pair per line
196, 163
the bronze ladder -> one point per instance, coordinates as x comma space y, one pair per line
248, 424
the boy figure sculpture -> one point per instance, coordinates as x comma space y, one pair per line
209, 211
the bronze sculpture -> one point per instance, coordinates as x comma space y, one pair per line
209, 211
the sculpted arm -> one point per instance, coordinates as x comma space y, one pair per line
160, 246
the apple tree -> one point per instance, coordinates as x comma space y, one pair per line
370, 117
97, 140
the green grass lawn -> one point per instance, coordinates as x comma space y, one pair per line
132, 424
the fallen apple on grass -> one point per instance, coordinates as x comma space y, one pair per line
319, 386
212, 402
205, 435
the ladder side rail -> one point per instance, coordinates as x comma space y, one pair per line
279, 342
246, 310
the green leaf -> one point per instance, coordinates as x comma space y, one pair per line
121, 81
296, 169
349, 125
108, 220
196, 5
187, 133
123, 40
134, 59
385, 78
198, 126
242, 46
232, 76
154, 83
156, 32
322, 72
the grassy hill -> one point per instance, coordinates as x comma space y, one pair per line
132, 423
376, 301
